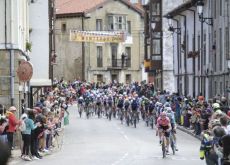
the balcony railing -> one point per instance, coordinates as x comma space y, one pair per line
120, 64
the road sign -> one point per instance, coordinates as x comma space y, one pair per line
25, 71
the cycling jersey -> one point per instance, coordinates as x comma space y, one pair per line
163, 122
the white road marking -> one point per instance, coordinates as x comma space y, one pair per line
121, 159
126, 137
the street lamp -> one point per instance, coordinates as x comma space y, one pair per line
153, 25
170, 23
200, 8
209, 21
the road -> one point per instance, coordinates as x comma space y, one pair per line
101, 142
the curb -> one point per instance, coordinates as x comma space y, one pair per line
189, 132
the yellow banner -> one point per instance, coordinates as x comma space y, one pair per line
84, 36
147, 63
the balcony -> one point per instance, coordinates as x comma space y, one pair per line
119, 64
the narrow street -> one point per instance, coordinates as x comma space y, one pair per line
102, 142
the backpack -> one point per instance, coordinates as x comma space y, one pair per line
22, 127
126, 104
134, 104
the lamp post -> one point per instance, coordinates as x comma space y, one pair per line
170, 23
176, 30
208, 21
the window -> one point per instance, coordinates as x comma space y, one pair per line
199, 52
114, 51
220, 9
210, 46
221, 88
99, 56
215, 88
214, 9
214, 43
99, 25
128, 78
204, 51
227, 43
129, 27
117, 22
220, 49
99, 78
134, 1
128, 53
114, 55
63, 27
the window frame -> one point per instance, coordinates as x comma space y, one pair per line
99, 56
99, 25
117, 22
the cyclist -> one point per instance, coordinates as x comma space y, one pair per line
171, 116
164, 128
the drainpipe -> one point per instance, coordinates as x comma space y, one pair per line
5, 27
11, 57
83, 48
185, 54
178, 59
194, 49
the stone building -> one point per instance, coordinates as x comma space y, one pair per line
14, 34
100, 61
201, 52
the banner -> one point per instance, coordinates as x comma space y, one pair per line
96, 36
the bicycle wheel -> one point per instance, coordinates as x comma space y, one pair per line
172, 144
163, 148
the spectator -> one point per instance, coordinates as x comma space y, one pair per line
26, 135
13, 122
3, 125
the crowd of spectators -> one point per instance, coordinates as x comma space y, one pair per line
38, 126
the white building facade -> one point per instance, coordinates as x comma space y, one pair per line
201, 53
14, 35
39, 39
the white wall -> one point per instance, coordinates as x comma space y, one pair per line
17, 24
39, 37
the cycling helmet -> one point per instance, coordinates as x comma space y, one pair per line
166, 105
216, 106
163, 114
219, 112
168, 110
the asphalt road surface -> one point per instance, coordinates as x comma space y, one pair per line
101, 142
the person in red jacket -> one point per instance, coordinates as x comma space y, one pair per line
12, 124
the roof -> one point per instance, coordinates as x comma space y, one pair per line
76, 7
181, 8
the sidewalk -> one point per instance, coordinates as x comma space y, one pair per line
16, 153
188, 131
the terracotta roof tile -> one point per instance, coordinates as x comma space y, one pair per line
81, 6
76, 6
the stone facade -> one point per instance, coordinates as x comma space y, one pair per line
69, 54
69, 61
13, 41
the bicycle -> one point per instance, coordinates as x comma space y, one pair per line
172, 143
164, 144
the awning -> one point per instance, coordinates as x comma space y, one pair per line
40, 82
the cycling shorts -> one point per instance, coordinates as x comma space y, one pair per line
164, 128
